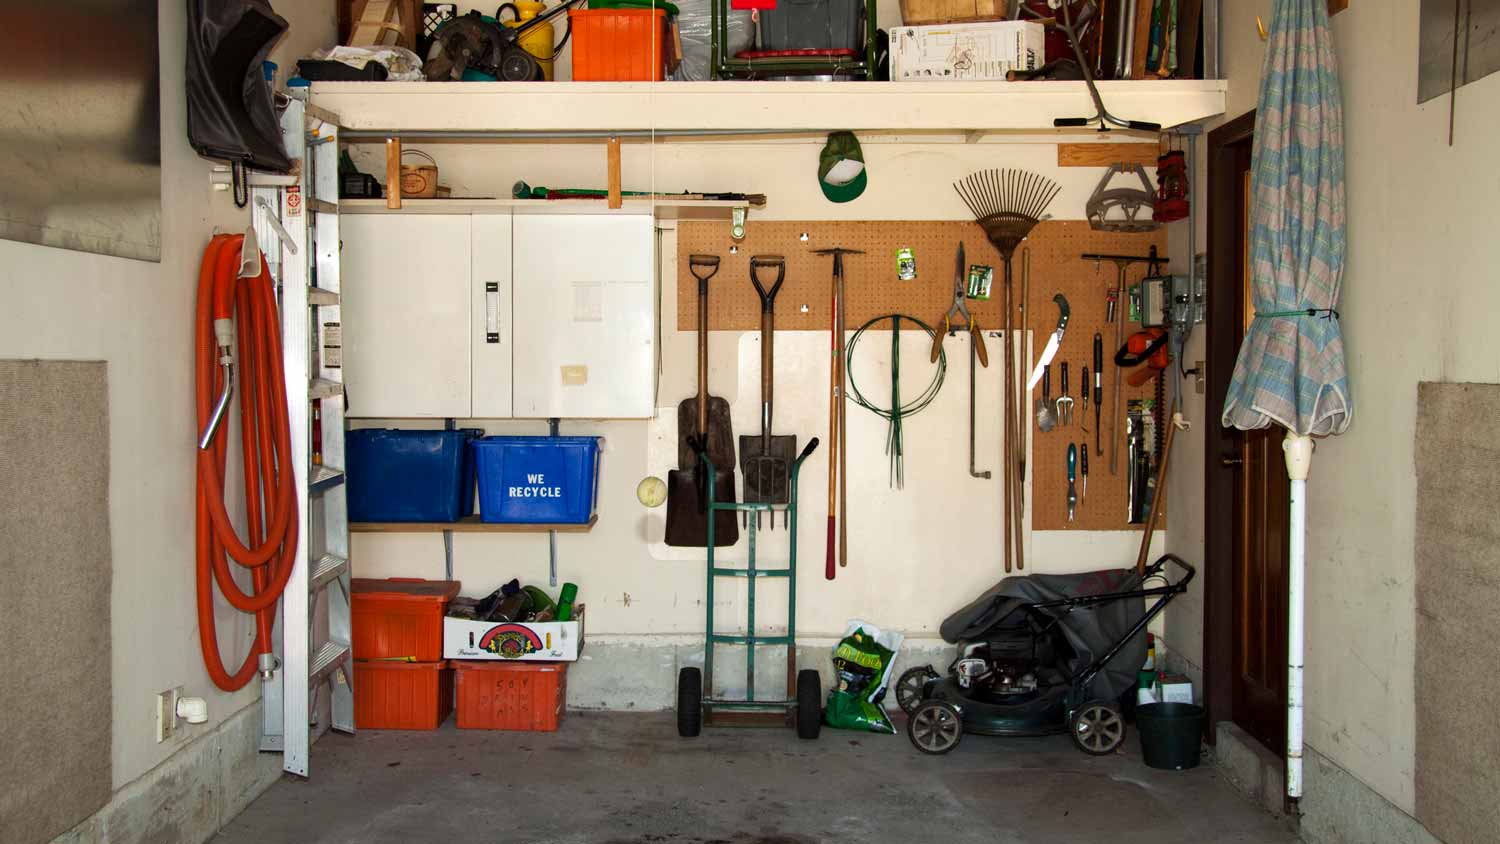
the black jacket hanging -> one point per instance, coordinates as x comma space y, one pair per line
230, 116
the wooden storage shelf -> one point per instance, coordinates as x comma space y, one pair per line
664, 209
370, 111
468, 524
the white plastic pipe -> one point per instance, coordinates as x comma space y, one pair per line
1298, 450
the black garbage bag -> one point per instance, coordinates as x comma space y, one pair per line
230, 116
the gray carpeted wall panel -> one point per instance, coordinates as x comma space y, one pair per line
1458, 611
54, 596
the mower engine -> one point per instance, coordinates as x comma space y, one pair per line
1003, 666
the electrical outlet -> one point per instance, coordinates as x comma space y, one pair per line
166, 714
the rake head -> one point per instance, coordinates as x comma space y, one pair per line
1007, 203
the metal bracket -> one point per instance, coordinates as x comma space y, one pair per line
737, 222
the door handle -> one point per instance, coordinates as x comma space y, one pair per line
492, 312
1231, 462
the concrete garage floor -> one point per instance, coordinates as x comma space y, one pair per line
626, 778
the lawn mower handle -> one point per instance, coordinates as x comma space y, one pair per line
1156, 568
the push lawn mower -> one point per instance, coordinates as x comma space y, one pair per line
1039, 655
477, 47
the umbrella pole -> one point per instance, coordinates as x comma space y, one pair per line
1298, 450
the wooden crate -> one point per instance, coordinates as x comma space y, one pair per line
919, 12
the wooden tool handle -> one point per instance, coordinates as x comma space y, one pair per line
829, 569
937, 342
978, 339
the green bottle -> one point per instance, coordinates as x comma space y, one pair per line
565, 601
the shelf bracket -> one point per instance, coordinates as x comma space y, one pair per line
614, 172
393, 173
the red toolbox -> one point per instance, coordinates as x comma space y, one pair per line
510, 695
400, 617
402, 695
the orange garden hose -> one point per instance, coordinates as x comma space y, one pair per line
265, 437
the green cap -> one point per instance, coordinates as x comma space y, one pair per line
841, 168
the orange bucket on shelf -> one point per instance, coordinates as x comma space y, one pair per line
618, 45
510, 695
400, 617
402, 695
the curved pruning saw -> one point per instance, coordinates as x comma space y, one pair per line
1053, 342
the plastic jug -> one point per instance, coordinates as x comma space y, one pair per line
538, 40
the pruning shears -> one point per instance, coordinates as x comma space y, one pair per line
1053, 342
958, 317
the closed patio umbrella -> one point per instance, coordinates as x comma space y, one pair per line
1290, 370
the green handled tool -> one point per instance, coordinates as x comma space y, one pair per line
1072, 479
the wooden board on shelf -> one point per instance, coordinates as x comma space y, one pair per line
874, 290
468, 524
1103, 155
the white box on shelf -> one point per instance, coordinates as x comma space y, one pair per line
1176, 688
529, 641
965, 51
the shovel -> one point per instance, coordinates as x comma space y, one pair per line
766, 460
704, 419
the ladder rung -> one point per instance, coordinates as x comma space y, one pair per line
721, 572
721, 639
322, 206
323, 388
320, 296
327, 660
325, 570
323, 478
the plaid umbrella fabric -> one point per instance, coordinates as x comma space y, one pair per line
1290, 369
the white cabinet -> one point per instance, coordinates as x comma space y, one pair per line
405, 305
585, 316
497, 315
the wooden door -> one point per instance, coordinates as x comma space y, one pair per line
1245, 482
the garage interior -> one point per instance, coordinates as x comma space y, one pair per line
588, 422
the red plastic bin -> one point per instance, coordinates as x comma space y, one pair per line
510, 695
619, 45
400, 617
402, 695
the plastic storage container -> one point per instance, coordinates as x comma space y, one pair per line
409, 476
510, 695
812, 25
617, 45
537, 480
1171, 734
402, 695
400, 617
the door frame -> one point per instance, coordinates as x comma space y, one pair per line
1219, 480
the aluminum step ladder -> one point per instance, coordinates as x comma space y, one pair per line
309, 686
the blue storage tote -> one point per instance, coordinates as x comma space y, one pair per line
410, 476
537, 480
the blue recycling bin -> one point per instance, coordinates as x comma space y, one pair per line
537, 480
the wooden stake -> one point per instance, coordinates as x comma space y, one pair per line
614, 173
393, 173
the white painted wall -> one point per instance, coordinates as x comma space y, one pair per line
1417, 305
137, 316
917, 555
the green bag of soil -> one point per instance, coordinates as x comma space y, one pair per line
862, 663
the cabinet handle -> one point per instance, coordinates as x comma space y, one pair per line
492, 312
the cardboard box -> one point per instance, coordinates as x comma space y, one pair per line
966, 51
533, 641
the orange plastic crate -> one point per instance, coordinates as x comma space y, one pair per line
400, 617
510, 695
617, 45
402, 695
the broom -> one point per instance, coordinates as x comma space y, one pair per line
1008, 204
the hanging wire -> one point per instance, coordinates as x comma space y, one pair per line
895, 414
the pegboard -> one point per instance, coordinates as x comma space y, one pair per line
873, 289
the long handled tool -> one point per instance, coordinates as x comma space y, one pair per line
1008, 204
765, 459
957, 319
707, 417
837, 464
1098, 389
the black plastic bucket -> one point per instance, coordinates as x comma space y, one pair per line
1171, 734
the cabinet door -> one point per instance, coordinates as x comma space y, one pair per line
585, 316
490, 334
406, 311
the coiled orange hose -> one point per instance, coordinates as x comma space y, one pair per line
265, 436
